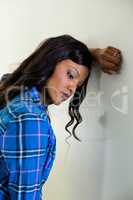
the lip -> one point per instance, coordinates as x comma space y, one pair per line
65, 96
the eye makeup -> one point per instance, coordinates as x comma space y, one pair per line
71, 74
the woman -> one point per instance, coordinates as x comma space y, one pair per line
58, 69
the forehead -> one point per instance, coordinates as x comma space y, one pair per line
81, 70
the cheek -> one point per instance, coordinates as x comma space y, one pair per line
60, 81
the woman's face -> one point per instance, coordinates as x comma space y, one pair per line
67, 76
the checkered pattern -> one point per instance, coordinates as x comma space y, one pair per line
27, 147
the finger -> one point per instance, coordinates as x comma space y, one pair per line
107, 72
110, 66
112, 59
113, 49
113, 72
114, 69
110, 71
113, 53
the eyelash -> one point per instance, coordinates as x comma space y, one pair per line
70, 75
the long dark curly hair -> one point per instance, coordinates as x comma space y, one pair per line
37, 68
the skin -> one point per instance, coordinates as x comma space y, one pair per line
67, 76
109, 59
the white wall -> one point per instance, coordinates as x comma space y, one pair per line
118, 175
101, 166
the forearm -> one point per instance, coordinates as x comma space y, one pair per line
95, 53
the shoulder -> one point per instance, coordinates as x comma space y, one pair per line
27, 101
17, 108
23, 111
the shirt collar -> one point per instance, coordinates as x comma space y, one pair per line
32, 94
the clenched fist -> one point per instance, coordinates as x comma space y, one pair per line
109, 59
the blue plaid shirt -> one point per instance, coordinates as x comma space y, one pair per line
27, 147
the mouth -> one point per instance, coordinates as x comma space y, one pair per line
65, 96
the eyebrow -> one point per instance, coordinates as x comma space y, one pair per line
80, 82
77, 71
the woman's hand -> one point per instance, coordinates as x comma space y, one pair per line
109, 59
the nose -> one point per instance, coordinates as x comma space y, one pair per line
72, 87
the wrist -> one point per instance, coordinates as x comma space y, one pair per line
95, 53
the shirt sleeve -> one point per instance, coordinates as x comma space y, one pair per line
4, 177
27, 149
50, 156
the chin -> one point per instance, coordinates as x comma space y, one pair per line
57, 102
56, 99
